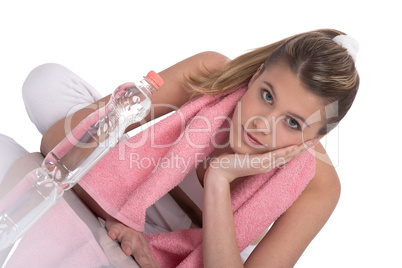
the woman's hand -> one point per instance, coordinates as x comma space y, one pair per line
132, 243
232, 166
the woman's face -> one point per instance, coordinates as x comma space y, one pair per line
276, 111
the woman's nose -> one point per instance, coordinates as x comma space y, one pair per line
261, 124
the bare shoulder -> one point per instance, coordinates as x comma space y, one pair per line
292, 232
326, 181
194, 64
174, 91
212, 59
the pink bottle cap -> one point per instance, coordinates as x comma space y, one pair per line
155, 79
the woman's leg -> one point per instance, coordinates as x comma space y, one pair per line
9, 153
51, 92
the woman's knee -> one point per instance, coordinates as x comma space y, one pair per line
40, 80
51, 92
40, 92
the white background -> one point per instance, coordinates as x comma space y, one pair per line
111, 42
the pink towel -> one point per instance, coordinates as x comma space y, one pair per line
125, 185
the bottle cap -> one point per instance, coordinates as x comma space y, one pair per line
155, 79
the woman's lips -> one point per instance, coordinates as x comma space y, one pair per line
251, 138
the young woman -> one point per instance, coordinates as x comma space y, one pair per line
288, 83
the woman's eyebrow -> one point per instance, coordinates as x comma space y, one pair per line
290, 113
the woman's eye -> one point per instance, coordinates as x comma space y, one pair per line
292, 123
267, 96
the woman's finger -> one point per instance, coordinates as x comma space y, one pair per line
300, 149
113, 228
132, 243
128, 244
285, 155
232, 166
143, 254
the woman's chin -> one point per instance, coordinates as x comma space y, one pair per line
250, 149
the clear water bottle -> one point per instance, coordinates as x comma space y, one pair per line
73, 157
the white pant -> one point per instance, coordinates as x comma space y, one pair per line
50, 93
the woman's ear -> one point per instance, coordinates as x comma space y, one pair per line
257, 73
260, 68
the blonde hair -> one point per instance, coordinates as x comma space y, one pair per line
323, 66
234, 73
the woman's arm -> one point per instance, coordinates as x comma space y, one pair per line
219, 237
295, 229
169, 97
